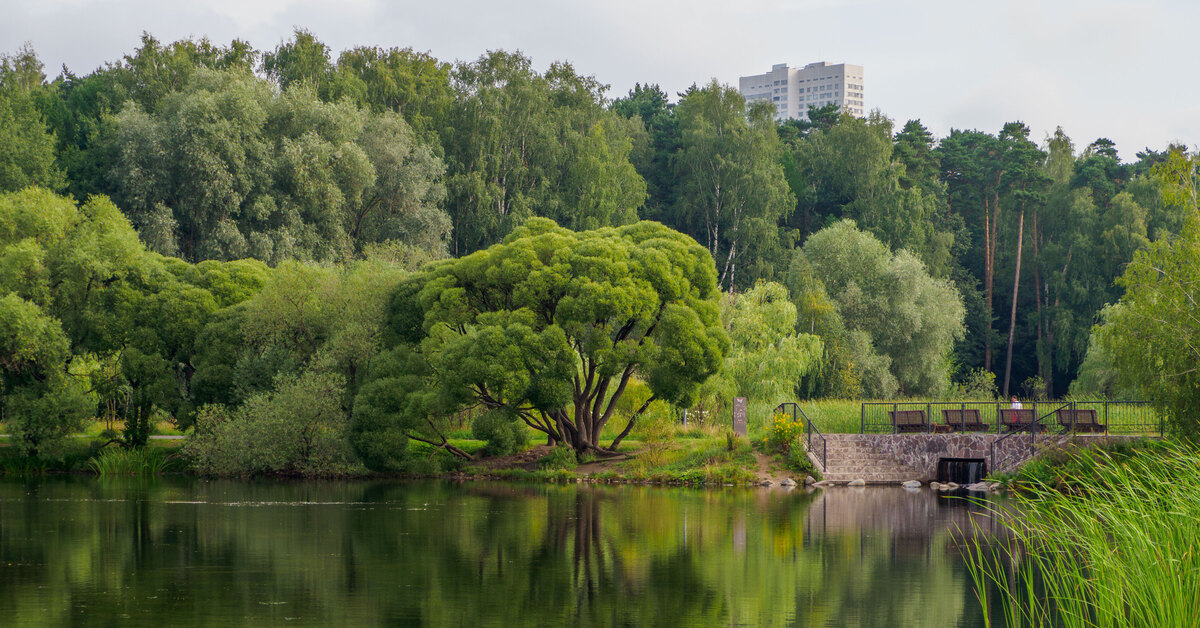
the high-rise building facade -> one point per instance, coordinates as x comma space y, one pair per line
793, 90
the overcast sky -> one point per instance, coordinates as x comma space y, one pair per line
1120, 69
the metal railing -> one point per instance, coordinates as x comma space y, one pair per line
810, 430
1102, 417
1032, 428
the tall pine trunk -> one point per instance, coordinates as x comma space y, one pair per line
1012, 327
1045, 350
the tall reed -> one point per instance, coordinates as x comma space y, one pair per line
144, 461
1120, 549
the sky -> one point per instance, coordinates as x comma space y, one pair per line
1098, 68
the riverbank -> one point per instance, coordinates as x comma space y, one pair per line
698, 457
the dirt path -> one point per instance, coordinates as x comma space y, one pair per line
768, 470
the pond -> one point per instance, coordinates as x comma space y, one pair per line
189, 552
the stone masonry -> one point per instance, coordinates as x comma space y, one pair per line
891, 458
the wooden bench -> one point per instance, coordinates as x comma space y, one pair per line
1019, 419
1079, 420
965, 419
913, 421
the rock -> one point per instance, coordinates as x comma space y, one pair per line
858, 482
808, 479
935, 486
951, 485
823, 484
995, 486
787, 482
911, 484
765, 483
979, 487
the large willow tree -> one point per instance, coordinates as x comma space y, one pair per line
546, 328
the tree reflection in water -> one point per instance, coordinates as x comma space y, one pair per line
433, 553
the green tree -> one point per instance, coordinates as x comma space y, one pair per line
732, 190
910, 317
852, 170
549, 327
412, 84
1152, 335
28, 145
304, 60
227, 169
523, 144
1025, 183
42, 401
767, 358
652, 156
850, 367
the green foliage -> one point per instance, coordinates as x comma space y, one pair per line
766, 358
559, 458
653, 146
504, 432
1152, 335
521, 144
28, 154
297, 429
906, 316
978, 384
549, 326
850, 170
783, 433
732, 191
225, 168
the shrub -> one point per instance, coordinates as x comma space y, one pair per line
503, 431
300, 429
561, 458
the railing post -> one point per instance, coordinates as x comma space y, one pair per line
862, 424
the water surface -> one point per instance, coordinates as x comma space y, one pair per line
185, 552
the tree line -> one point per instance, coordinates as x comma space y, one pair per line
202, 228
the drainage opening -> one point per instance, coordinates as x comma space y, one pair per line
961, 470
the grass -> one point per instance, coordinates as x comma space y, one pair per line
148, 461
1119, 549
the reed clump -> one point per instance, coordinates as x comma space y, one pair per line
146, 461
1119, 548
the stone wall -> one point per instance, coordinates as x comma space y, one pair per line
922, 451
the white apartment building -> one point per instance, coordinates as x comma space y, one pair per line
793, 90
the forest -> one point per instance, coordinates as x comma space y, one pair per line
312, 258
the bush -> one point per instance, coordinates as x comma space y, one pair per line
559, 458
503, 431
298, 430
978, 384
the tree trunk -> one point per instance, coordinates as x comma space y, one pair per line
989, 260
1012, 327
1045, 351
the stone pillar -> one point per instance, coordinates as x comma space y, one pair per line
739, 415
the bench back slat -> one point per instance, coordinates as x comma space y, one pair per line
1084, 417
970, 416
1014, 416
907, 417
